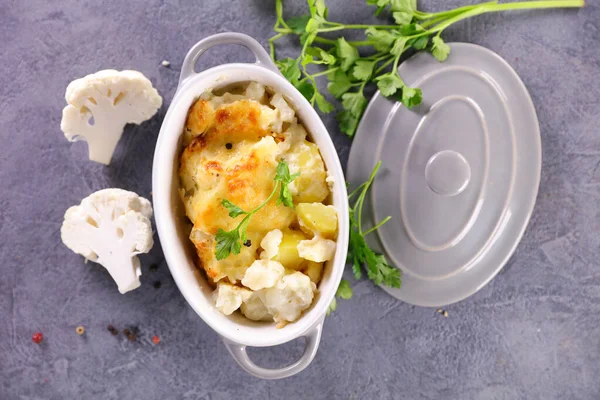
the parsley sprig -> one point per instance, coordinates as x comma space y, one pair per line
349, 71
359, 251
230, 242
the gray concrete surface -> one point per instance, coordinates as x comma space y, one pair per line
532, 333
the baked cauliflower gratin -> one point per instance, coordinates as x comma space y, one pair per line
235, 141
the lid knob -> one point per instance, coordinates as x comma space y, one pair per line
447, 173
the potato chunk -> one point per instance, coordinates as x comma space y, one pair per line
314, 271
318, 218
288, 250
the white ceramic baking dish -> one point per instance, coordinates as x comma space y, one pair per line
173, 227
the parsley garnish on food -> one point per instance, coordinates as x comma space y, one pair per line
350, 70
230, 242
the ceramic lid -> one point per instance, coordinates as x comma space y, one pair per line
459, 175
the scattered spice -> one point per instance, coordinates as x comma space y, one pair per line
248, 243
37, 337
165, 63
155, 339
439, 310
228, 146
80, 330
153, 267
113, 330
156, 285
445, 313
130, 333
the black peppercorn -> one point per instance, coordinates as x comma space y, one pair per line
228, 146
248, 243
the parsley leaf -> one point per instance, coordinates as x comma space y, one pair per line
382, 39
307, 89
411, 97
289, 69
339, 83
344, 291
298, 24
234, 210
347, 53
389, 83
325, 106
227, 243
440, 50
363, 69
354, 102
283, 176
348, 122
398, 46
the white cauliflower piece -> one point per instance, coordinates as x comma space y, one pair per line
110, 227
255, 91
271, 242
263, 274
285, 301
317, 249
101, 104
285, 113
255, 309
229, 298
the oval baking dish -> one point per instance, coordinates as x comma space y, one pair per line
173, 227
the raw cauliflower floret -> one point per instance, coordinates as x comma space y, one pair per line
271, 242
317, 249
101, 104
255, 309
111, 227
263, 274
285, 301
229, 298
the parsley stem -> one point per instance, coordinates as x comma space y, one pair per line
361, 199
379, 225
325, 72
354, 26
384, 65
356, 43
272, 43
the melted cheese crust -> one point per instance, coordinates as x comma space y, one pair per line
232, 146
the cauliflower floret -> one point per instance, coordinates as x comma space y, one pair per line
285, 113
111, 227
285, 301
271, 242
229, 298
263, 274
101, 104
255, 309
255, 91
317, 249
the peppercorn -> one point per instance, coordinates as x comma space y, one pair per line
228, 146
113, 330
153, 267
248, 243
156, 285
37, 337
126, 332
80, 330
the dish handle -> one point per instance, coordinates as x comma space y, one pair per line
240, 355
260, 54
